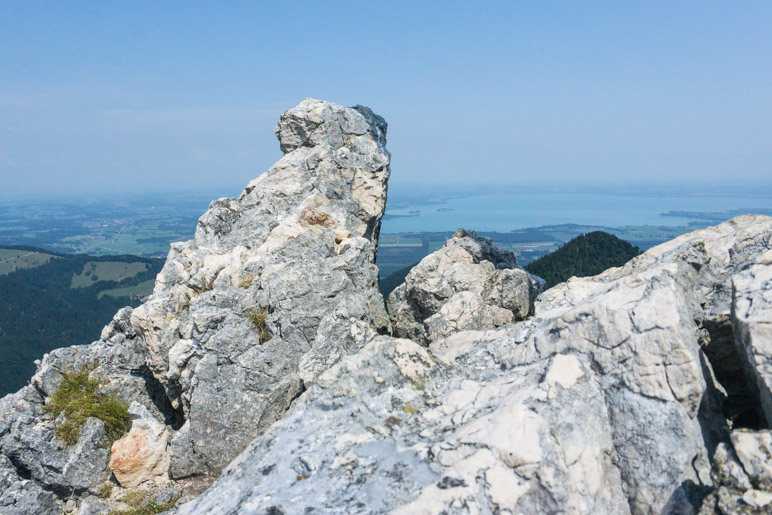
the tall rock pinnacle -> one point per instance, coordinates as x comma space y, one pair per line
277, 285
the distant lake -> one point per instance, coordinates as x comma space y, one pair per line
508, 211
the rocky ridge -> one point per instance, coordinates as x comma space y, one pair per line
277, 285
603, 402
264, 352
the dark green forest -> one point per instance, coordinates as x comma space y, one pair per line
586, 255
41, 311
391, 281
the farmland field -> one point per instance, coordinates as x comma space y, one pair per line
94, 271
13, 259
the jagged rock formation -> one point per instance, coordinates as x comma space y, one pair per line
277, 285
468, 284
603, 402
645, 389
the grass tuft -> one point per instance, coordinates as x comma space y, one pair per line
78, 398
141, 506
106, 490
260, 321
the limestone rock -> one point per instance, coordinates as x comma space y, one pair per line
752, 323
742, 475
21, 496
142, 454
603, 402
276, 286
468, 284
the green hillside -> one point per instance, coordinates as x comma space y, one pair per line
586, 255
45, 303
391, 281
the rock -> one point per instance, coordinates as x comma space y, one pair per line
603, 402
29, 443
468, 284
22, 496
752, 324
742, 473
754, 450
166, 496
276, 286
142, 454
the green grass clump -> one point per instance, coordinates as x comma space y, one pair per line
141, 506
260, 321
78, 397
106, 490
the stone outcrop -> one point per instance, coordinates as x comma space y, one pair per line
467, 284
264, 353
277, 285
603, 402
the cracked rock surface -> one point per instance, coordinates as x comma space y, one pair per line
603, 402
277, 285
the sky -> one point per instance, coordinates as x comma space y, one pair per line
111, 97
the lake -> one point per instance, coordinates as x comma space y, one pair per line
507, 211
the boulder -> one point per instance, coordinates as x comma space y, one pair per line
142, 454
467, 284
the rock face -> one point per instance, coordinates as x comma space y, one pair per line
468, 284
645, 389
603, 402
277, 285
752, 322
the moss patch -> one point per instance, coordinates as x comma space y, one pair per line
78, 397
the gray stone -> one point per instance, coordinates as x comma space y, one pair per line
603, 402
752, 323
467, 284
742, 475
277, 285
296, 249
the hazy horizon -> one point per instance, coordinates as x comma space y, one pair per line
112, 99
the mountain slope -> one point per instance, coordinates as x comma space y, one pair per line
56, 300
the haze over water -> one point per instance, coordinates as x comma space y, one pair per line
507, 211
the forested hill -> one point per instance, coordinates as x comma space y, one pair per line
585, 255
50, 300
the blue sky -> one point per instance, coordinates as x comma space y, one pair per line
153, 96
